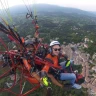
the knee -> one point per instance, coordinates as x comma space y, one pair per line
73, 76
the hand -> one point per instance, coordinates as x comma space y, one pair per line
45, 81
67, 63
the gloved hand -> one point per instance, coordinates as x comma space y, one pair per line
46, 81
67, 63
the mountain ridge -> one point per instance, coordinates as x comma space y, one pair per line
50, 8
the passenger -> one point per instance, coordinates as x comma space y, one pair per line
55, 49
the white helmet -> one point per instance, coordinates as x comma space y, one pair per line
54, 43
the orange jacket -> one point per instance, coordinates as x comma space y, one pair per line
55, 62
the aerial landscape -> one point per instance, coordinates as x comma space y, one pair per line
41, 23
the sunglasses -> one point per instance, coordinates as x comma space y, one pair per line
55, 49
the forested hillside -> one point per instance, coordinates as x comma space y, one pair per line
68, 24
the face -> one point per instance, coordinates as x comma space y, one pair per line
30, 48
56, 50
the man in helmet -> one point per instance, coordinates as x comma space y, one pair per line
29, 45
55, 49
30, 48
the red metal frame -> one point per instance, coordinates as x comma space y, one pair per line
25, 72
27, 76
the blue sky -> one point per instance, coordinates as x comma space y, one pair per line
88, 5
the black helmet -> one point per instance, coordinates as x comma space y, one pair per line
29, 42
